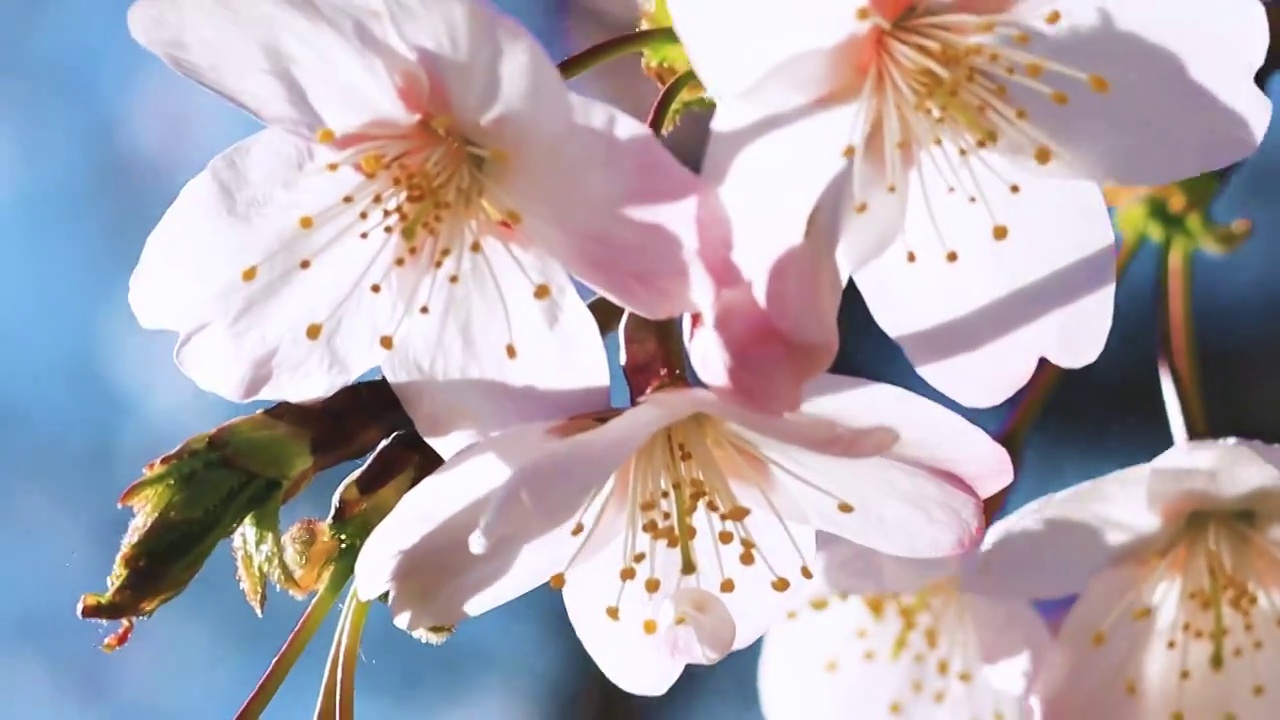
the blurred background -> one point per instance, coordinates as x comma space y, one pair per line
96, 138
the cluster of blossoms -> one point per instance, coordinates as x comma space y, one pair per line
431, 200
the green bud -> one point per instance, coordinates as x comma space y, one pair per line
1177, 214
232, 480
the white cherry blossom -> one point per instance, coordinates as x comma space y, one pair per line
954, 150
423, 176
678, 529
1177, 563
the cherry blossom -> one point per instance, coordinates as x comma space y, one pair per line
950, 153
679, 529
423, 176
1178, 569
894, 637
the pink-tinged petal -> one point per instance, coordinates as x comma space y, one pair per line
500, 86
772, 319
837, 655
489, 354
268, 308
921, 498
929, 435
812, 432
1082, 528
604, 196
752, 49
1156, 64
296, 64
867, 225
575, 466
980, 291
846, 567
420, 555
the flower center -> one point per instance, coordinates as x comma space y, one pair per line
930, 635
423, 193
686, 524
1211, 595
937, 91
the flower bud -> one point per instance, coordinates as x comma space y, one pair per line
309, 550
1176, 213
697, 626
232, 480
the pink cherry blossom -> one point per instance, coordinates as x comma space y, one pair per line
424, 189
949, 153
678, 529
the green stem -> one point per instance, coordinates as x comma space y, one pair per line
1036, 396
311, 620
350, 653
1179, 339
327, 700
576, 64
666, 101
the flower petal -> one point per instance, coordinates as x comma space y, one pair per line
509, 343
605, 197
497, 80
1102, 652
846, 567
277, 60
1186, 475
640, 663
840, 654
420, 555
591, 450
752, 48
1156, 65
1081, 527
1032, 275
772, 320
267, 309
929, 435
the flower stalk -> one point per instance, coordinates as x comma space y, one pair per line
614, 47
1178, 347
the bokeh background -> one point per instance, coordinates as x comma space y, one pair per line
96, 137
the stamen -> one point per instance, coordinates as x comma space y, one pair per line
938, 92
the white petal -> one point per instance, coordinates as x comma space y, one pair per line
575, 466
846, 567
296, 64
975, 327
697, 626
1081, 527
225, 268
420, 554
489, 354
928, 433
1216, 471
921, 498
1159, 57
741, 47
838, 654
1113, 664
638, 662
